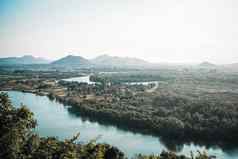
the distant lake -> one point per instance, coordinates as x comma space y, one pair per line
142, 83
86, 79
82, 79
55, 119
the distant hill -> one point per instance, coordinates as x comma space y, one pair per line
207, 64
72, 61
113, 61
233, 66
24, 60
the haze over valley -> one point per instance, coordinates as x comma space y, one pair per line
128, 79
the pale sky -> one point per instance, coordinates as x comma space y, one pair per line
154, 30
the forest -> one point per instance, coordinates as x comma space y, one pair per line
188, 104
195, 104
19, 141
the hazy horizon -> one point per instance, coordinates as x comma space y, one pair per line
174, 31
160, 62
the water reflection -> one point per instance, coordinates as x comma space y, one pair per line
82, 79
172, 144
55, 119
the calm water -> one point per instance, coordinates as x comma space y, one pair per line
54, 119
86, 79
141, 83
82, 79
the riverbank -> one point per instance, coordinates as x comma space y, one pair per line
113, 113
174, 109
70, 124
128, 121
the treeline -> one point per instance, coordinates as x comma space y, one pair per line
121, 78
167, 115
30, 74
210, 119
190, 107
17, 140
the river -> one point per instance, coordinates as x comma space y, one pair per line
86, 79
82, 79
55, 119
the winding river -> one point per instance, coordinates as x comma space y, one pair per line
55, 119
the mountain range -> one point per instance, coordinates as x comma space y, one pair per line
114, 61
100, 61
24, 60
78, 61
103, 61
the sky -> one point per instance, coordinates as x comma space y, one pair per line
175, 31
